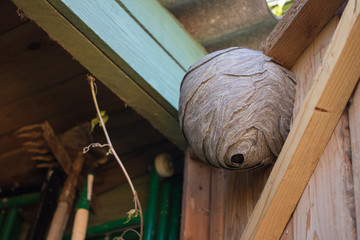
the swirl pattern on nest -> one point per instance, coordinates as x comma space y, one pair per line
235, 108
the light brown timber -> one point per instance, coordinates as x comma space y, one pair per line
217, 204
354, 120
311, 130
298, 28
196, 200
317, 214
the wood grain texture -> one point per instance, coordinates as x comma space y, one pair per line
305, 69
309, 62
102, 67
312, 128
128, 45
196, 200
57, 148
9, 18
298, 28
354, 121
166, 30
28, 53
235, 108
217, 204
326, 208
243, 190
288, 231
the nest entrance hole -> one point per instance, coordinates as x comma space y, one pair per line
237, 159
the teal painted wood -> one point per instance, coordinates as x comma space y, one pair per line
123, 40
165, 28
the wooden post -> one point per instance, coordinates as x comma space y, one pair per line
66, 200
196, 200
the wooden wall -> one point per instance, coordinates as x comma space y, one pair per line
326, 209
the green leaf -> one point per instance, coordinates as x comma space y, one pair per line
133, 213
96, 121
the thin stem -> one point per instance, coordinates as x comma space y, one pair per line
136, 198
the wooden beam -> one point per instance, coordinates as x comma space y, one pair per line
195, 215
298, 28
109, 41
323, 105
160, 24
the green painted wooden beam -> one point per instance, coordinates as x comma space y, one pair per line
140, 54
165, 28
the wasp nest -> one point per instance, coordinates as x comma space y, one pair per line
235, 108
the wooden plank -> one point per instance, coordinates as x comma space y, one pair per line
165, 29
288, 231
305, 69
317, 214
311, 130
54, 101
196, 200
57, 148
102, 67
298, 28
326, 208
354, 120
31, 62
9, 18
135, 52
309, 62
217, 204
243, 190
59, 105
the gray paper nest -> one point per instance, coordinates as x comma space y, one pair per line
235, 108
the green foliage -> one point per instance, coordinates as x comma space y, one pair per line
279, 7
133, 213
96, 121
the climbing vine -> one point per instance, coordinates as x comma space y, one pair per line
100, 120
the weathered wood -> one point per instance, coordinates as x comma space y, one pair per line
354, 120
8, 12
288, 231
159, 113
235, 108
310, 61
158, 75
298, 28
217, 204
305, 69
58, 107
326, 217
46, 205
165, 29
57, 148
326, 208
312, 128
66, 200
27, 54
243, 190
196, 200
